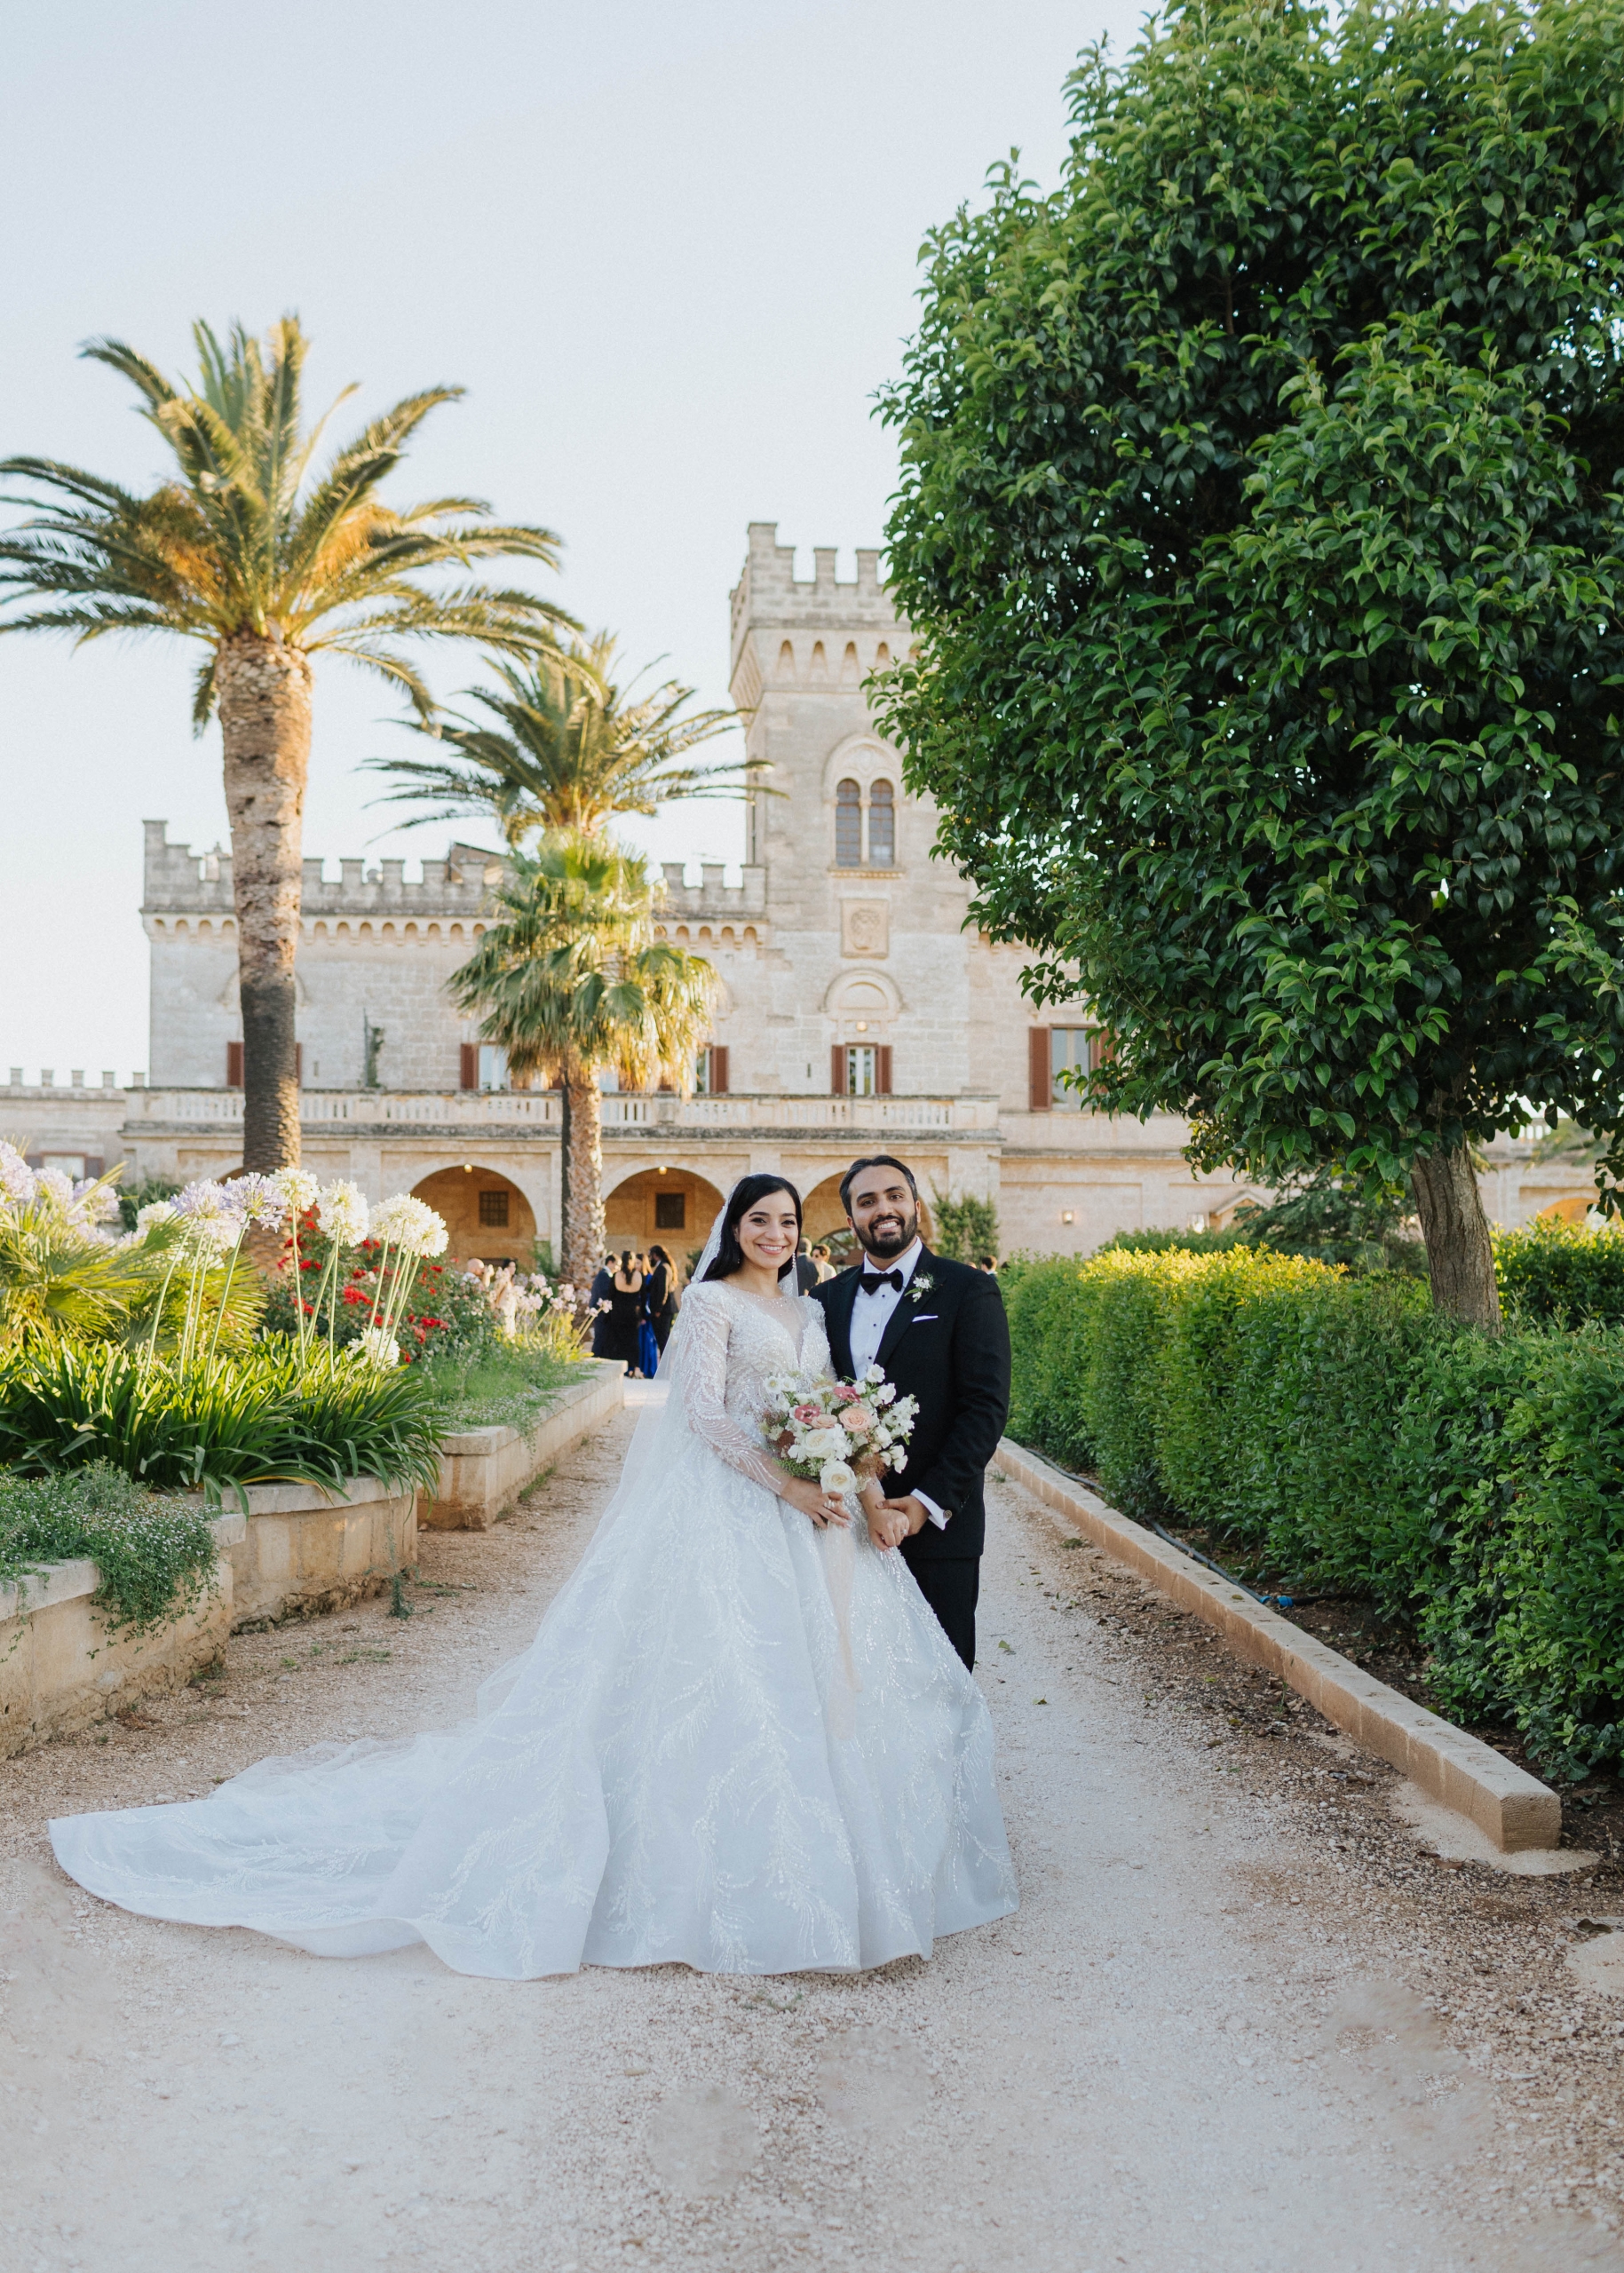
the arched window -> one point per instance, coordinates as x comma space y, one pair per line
882, 826
848, 826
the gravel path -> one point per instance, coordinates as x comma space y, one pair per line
1241, 2022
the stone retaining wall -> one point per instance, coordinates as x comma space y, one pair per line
304, 1550
483, 1471
59, 1667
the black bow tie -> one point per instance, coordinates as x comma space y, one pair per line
873, 1280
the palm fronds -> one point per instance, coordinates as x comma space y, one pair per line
565, 747
569, 974
244, 544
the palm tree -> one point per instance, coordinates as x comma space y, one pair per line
570, 979
265, 568
569, 749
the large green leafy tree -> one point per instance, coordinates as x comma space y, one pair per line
1259, 527
569, 978
565, 746
265, 565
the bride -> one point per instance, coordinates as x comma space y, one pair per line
739, 1740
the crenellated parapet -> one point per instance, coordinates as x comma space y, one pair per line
824, 634
180, 882
710, 897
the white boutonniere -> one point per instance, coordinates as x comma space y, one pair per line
921, 1283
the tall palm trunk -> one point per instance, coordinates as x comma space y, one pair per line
583, 1176
1460, 1258
265, 689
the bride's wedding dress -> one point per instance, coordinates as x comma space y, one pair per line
736, 1743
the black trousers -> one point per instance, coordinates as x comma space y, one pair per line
951, 1587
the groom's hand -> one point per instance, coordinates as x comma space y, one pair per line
914, 1511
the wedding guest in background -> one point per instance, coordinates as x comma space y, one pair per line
806, 1273
625, 1309
601, 1284
660, 1298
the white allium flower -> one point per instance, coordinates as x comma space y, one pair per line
296, 1189
376, 1347
341, 1211
834, 1475
55, 1188
411, 1224
156, 1211
261, 1198
18, 1180
214, 1218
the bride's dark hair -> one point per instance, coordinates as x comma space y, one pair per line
730, 1255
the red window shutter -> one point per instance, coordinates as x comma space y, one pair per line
298, 1064
881, 1070
718, 1069
838, 1070
468, 1072
233, 1064
1102, 1048
1041, 1082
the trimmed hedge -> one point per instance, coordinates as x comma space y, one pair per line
1566, 1271
1355, 1439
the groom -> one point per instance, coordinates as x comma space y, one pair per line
938, 1330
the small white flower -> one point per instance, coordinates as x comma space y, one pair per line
822, 1443
872, 1374
18, 1180
341, 1212
834, 1475
411, 1224
376, 1347
261, 1198
296, 1189
156, 1211
55, 1189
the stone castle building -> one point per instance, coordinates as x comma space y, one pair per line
855, 1011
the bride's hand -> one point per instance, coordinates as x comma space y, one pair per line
824, 1507
887, 1528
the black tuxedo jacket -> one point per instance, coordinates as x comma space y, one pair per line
948, 1347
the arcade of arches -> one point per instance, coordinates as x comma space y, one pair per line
486, 1215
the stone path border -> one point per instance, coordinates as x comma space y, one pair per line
1516, 1810
483, 1471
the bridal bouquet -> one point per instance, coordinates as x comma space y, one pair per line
838, 1435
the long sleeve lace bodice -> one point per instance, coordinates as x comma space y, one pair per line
732, 1341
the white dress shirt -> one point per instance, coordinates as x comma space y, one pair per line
870, 1316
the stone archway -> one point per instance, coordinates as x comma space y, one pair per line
486, 1215
1573, 1209
670, 1206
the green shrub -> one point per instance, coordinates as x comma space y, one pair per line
155, 1561
264, 1417
1356, 1440
966, 1229
510, 1384
1566, 1272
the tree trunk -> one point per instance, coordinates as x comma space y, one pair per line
1460, 1259
584, 1179
264, 725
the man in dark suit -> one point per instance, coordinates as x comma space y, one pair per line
938, 1330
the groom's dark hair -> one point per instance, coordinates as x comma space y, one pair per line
874, 1161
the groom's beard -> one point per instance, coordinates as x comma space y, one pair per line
883, 1239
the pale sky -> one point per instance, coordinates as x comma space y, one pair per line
669, 251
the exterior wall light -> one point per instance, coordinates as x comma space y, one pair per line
1068, 1215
